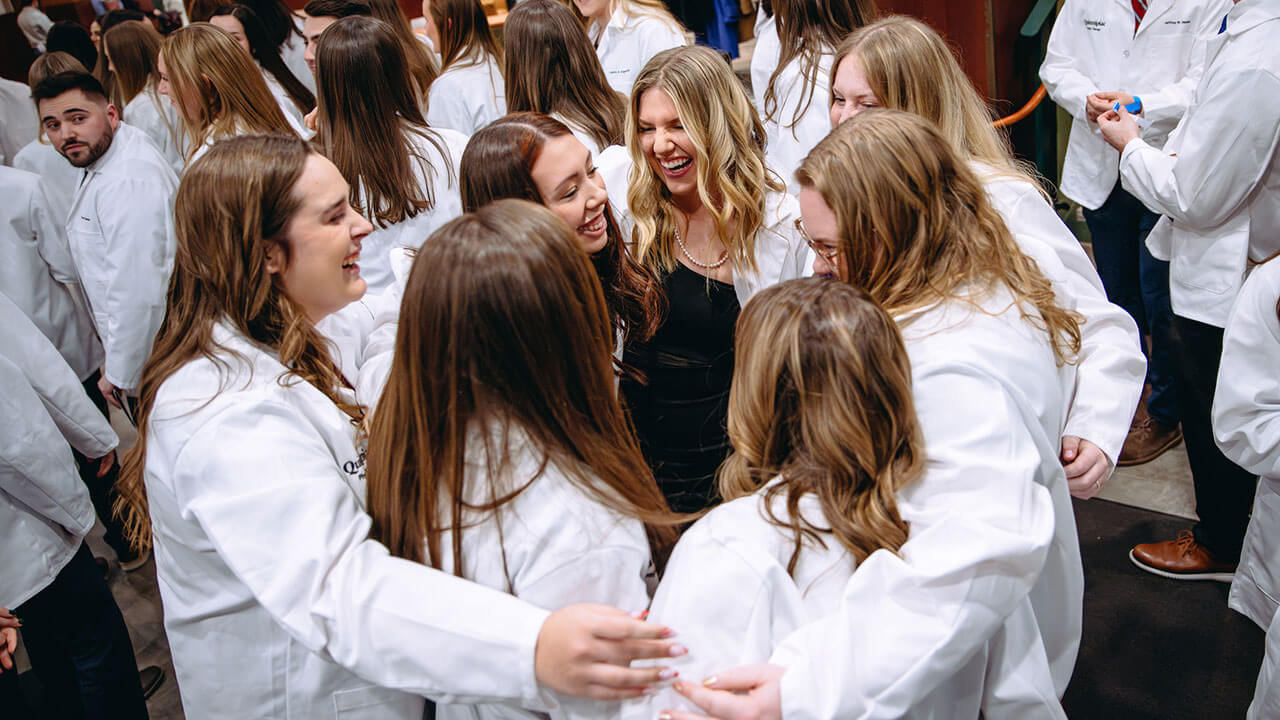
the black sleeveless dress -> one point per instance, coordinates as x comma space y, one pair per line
680, 412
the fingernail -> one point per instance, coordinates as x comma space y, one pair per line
679, 687
640, 614
667, 674
678, 650
710, 681
667, 633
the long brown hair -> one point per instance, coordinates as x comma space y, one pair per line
822, 396
422, 69
910, 67
267, 54
809, 29
203, 61
464, 32
133, 48
728, 144
498, 163
368, 119
232, 205
551, 68
503, 327
916, 227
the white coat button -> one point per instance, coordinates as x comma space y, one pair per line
1126, 53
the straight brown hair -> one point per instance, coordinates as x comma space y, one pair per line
133, 48
551, 68
464, 32
503, 330
422, 69
369, 117
808, 29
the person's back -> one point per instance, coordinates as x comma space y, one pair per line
34, 25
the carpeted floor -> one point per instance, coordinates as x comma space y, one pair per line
1154, 648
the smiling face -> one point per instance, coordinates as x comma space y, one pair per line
234, 28
318, 269
666, 145
311, 29
850, 91
571, 188
80, 126
823, 233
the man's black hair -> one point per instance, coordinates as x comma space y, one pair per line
55, 85
337, 8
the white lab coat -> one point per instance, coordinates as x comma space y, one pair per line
552, 546
727, 591
294, 53
44, 506
375, 250
121, 234
35, 25
291, 112
269, 581
467, 96
628, 42
1217, 181
60, 176
991, 526
1246, 424
38, 274
158, 118
788, 140
1093, 48
764, 58
582, 135
1111, 368
18, 122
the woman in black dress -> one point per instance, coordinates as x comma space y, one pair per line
715, 226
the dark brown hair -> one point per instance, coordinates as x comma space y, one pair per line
464, 32
421, 67
551, 68
232, 205
503, 330
498, 163
368, 119
822, 396
267, 54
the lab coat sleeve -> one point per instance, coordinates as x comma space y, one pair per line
1061, 75
51, 237
313, 567
137, 225
720, 607
980, 528
36, 468
54, 383
1227, 141
1111, 368
1246, 404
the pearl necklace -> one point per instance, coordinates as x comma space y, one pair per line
685, 250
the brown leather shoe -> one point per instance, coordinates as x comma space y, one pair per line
1148, 439
1181, 559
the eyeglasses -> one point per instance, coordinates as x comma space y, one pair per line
822, 250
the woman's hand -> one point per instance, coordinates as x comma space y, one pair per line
1118, 128
9, 624
751, 692
584, 650
1086, 465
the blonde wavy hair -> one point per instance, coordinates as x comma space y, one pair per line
728, 148
910, 67
822, 396
916, 228
205, 63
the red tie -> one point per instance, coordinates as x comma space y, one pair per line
1139, 9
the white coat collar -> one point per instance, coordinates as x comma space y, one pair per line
1156, 10
124, 136
1248, 14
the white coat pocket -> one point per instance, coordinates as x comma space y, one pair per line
1215, 264
375, 703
